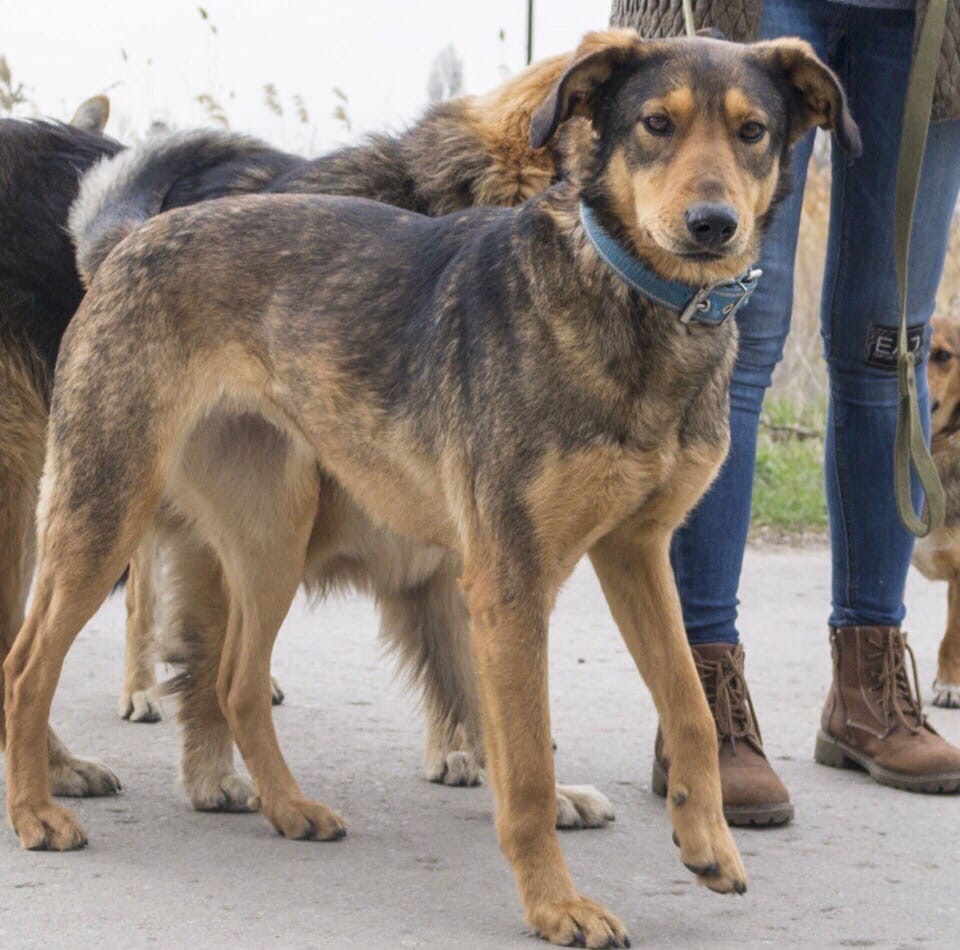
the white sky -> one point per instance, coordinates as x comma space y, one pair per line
377, 51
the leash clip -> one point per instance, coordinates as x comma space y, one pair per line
738, 289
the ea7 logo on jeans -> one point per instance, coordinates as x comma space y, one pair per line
882, 344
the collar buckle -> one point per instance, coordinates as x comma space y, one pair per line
735, 292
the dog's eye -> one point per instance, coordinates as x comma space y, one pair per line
658, 124
752, 131
939, 356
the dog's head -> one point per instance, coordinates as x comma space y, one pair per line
943, 376
693, 139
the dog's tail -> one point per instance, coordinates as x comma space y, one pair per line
167, 171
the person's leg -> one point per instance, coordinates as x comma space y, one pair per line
707, 553
871, 549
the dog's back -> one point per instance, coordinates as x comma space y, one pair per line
462, 153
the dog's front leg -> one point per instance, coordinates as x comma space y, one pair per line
946, 687
509, 640
633, 564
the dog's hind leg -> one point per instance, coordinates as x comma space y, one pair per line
23, 425
21, 459
84, 545
195, 610
139, 701
946, 687
279, 506
428, 627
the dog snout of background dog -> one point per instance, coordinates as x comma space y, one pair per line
711, 225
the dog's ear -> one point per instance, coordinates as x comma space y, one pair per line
818, 97
92, 114
597, 56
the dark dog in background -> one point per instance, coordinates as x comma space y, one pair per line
354, 393
41, 164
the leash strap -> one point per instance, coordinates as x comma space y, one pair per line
910, 446
688, 23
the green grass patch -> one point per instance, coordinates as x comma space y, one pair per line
788, 487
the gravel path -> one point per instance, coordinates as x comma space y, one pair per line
862, 866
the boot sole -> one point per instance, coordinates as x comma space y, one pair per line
838, 755
742, 816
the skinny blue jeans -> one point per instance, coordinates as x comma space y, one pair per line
870, 49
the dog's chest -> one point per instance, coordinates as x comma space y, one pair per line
578, 497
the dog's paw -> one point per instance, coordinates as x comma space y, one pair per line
946, 695
708, 851
577, 923
303, 820
142, 705
47, 827
454, 768
226, 791
73, 777
582, 806
277, 695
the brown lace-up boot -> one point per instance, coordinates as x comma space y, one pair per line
873, 718
752, 792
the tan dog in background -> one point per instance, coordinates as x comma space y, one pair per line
937, 556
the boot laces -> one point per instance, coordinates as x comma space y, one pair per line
729, 698
899, 697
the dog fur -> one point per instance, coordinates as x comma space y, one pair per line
937, 556
325, 383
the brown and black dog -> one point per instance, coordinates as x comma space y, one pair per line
345, 390
937, 556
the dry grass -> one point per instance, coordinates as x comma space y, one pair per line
802, 376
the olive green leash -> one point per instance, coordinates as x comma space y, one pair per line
910, 446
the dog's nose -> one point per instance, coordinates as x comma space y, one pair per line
711, 225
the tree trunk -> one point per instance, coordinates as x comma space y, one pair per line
739, 20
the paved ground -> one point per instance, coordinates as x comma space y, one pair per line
862, 866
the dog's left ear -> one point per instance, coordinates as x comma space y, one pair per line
818, 97
92, 115
594, 61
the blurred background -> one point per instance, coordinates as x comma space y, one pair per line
309, 76
305, 75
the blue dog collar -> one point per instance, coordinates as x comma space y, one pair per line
711, 304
